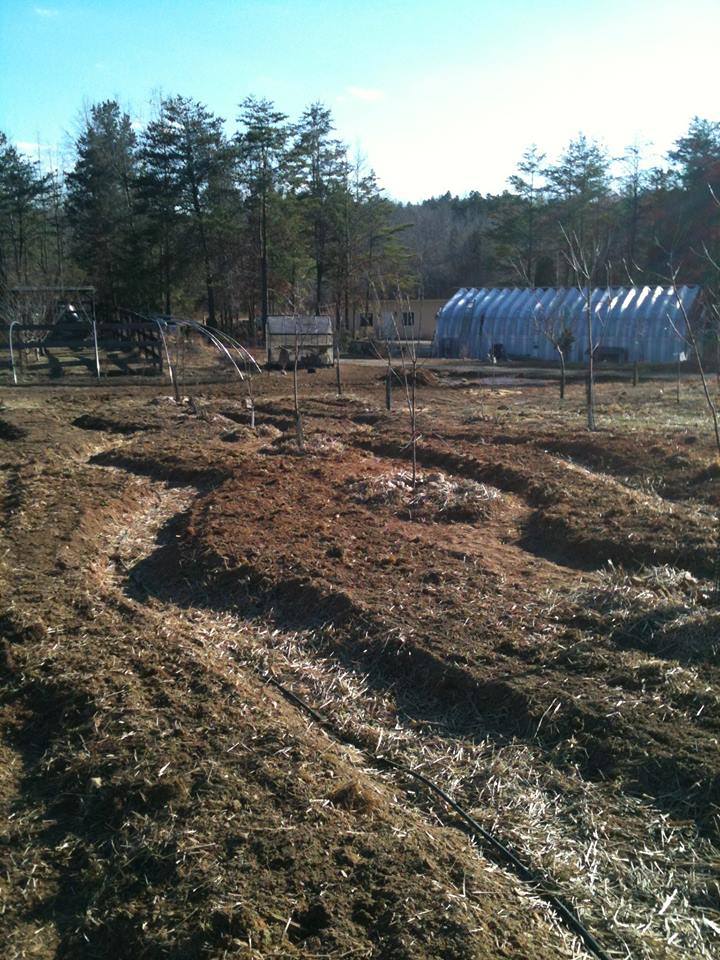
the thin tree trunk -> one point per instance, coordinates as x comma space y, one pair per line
166, 269
413, 421
336, 349
298, 416
251, 394
706, 389
264, 301
211, 300
591, 362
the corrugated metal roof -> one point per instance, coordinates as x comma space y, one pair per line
645, 323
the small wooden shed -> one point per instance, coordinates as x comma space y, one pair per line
311, 337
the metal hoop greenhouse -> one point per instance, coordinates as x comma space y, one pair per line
645, 324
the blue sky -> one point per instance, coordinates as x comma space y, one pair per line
437, 95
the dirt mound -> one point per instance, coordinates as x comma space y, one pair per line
242, 434
314, 445
661, 610
580, 518
432, 497
204, 460
423, 611
90, 421
10, 431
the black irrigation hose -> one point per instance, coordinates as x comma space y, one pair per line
565, 913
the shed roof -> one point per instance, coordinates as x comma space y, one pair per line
303, 326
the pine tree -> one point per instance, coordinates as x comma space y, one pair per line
318, 161
633, 183
579, 186
693, 204
200, 177
262, 151
527, 184
160, 194
22, 191
101, 206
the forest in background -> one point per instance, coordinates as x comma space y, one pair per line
278, 217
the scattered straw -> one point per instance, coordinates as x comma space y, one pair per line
433, 496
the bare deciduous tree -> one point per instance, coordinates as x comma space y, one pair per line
407, 349
553, 325
586, 262
296, 398
556, 328
690, 336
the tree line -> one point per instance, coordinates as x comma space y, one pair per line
182, 218
648, 222
276, 217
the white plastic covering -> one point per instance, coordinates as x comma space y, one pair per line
635, 323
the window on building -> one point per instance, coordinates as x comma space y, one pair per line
408, 318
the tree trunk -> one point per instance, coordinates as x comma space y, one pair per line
336, 349
298, 417
318, 286
413, 422
166, 270
591, 363
211, 300
264, 304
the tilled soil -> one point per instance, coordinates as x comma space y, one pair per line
162, 800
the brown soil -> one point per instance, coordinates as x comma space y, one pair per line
159, 799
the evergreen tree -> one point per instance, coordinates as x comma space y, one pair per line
262, 150
633, 189
101, 206
696, 156
696, 168
579, 188
22, 191
200, 177
160, 197
318, 161
527, 184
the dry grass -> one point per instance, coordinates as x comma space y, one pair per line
316, 444
618, 591
644, 884
659, 609
434, 496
